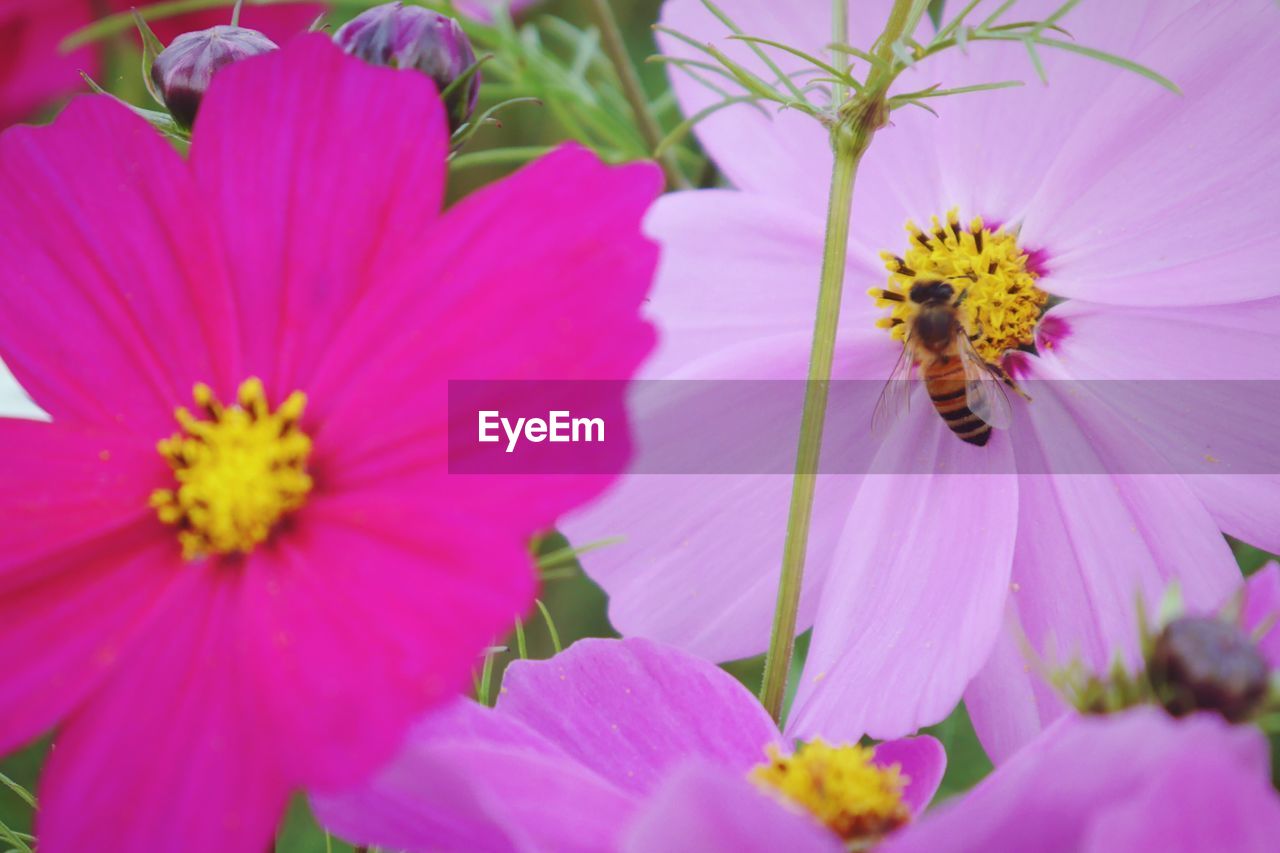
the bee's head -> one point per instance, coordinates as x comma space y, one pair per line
932, 293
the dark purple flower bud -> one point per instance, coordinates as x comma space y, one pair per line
413, 37
182, 72
1201, 663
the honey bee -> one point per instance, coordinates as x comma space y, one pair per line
965, 389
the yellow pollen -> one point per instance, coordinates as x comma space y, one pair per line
239, 471
838, 785
1001, 303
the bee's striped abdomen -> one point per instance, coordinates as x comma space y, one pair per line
945, 381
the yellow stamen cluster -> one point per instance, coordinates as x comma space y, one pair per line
239, 471
838, 785
1001, 302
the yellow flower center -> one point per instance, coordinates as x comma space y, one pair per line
998, 300
838, 785
239, 471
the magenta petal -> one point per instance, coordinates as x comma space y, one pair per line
110, 271
506, 260
374, 608
1262, 611
922, 761
177, 721
632, 709
706, 808
33, 71
1125, 773
82, 562
911, 606
473, 779
367, 143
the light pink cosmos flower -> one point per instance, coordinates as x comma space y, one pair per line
610, 745
1133, 782
1153, 216
269, 601
34, 72
482, 10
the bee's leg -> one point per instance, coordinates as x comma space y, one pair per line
890, 295
1003, 376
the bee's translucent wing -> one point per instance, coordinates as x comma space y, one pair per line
895, 398
984, 391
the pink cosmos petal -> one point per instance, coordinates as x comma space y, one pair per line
1215, 428
380, 595
1126, 773
1010, 700
474, 779
1090, 546
367, 143
707, 808
1149, 204
1262, 611
756, 262
576, 222
1245, 817
922, 761
113, 304
693, 539
170, 753
80, 566
632, 709
913, 608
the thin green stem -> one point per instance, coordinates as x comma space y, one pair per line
856, 123
235, 13
616, 49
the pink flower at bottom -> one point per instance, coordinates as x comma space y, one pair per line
1129, 783
271, 599
34, 72
610, 745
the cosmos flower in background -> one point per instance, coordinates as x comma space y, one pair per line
629, 745
1149, 235
34, 73
1134, 781
262, 592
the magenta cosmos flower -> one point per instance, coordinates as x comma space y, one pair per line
34, 72
1136, 781
1148, 217
628, 745
266, 598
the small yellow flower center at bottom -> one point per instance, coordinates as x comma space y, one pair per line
238, 472
855, 798
997, 298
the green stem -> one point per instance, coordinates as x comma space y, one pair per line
855, 124
633, 90
235, 13
782, 638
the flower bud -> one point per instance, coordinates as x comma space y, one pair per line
413, 37
182, 72
1201, 663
